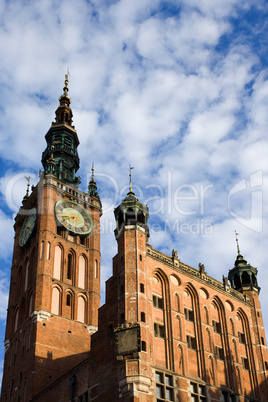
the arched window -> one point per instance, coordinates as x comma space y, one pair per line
48, 250
232, 326
208, 340
26, 275
81, 309
130, 217
245, 278
96, 269
31, 304
179, 327
206, 314
42, 245
177, 301
55, 304
57, 263
69, 266
235, 351
16, 319
68, 300
81, 271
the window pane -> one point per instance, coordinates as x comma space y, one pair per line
202, 390
169, 380
159, 377
159, 391
193, 387
169, 394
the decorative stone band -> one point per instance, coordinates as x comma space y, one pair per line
135, 383
92, 329
40, 315
201, 277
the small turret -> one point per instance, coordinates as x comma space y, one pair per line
131, 212
92, 187
243, 276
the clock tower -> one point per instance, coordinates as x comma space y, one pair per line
55, 275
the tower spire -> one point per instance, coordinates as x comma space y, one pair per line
60, 157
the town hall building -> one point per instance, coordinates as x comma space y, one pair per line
166, 332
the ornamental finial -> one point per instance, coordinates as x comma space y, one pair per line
130, 181
237, 244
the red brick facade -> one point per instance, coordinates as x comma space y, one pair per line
167, 331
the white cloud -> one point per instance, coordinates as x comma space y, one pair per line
178, 91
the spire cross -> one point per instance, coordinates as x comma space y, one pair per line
92, 170
237, 244
130, 182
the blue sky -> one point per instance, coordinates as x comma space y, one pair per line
177, 89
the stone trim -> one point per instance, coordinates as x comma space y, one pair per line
40, 315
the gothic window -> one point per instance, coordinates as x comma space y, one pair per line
81, 271
143, 346
16, 319
206, 314
81, 309
227, 397
69, 266
57, 262
42, 245
48, 250
216, 326
209, 344
245, 363
177, 301
198, 392
164, 387
219, 353
235, 351
191, 342
142, 287
31, 304
143, 316
68, 300
189, 315
159, 330
96, 269
241, 337
26, 275
55, 304
179, 327
158, 302
232, 326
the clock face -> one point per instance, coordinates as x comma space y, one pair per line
27, 227
73, 217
